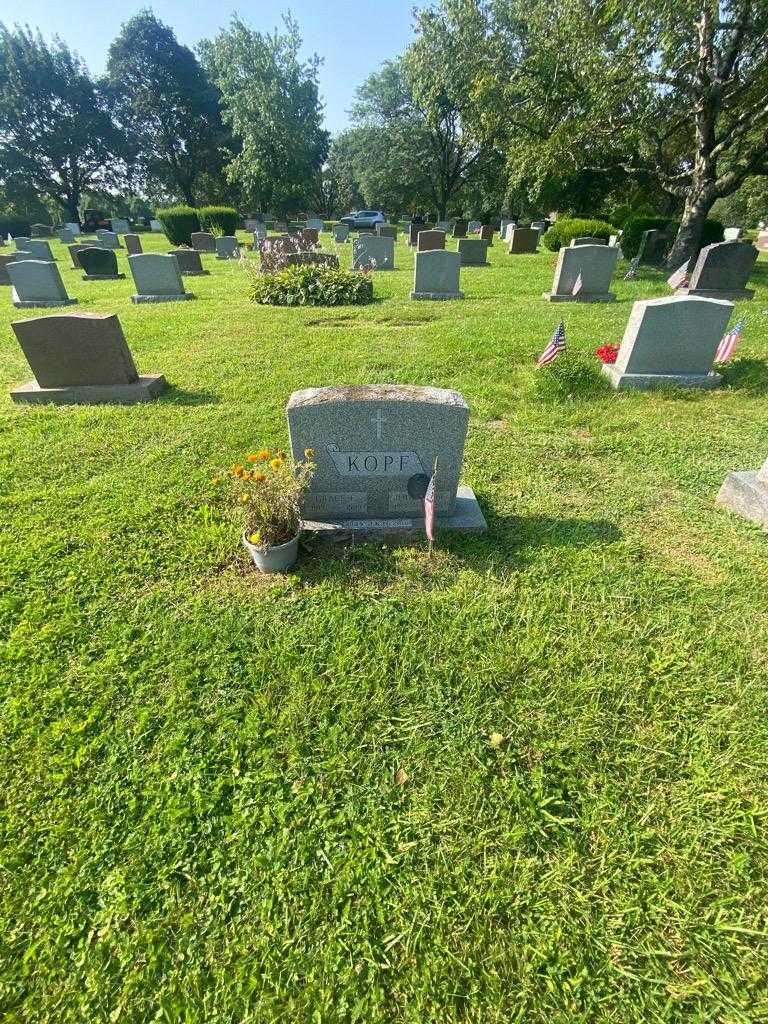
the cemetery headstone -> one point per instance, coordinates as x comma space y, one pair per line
340, 232
190, 264
722, 271
522, 240
746, 493
504, 224
73, 226
5, 259
74, 252
436, 275
156, 226
587, 240
732, 234
473, 227
259, 231
21, 242
37, 283
595, 264
540, 225
280, 226
443, 225
133, 245
79, 359
157, 278
413, 231
387, 230
315, 223
99, 264
308, 237
762, 241
373, 252
120, 226
375, 448
473, 252
459, 229
427, 240
653, 245
227, 248
38, 250
41, 231
486, 233
108, 239
66, 236
203, 241
670, 341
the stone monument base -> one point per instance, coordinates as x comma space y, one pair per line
103, 277
43, 303
467, 517
195, 273
712, 293
744, 493
437, 295
142, 390
589, 297
477, 263
162, 298
649, 381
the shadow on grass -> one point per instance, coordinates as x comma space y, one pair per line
174, 395
747, 375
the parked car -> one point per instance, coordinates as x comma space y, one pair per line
364, 219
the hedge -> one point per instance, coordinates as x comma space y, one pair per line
178, 223
223, 220
13, 226
564, 231
634, 228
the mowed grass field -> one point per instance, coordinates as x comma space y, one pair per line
202, 809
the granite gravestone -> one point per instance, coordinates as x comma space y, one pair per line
5, 259
373, 252
746, 493
72, 226
36, 284
132, 245
387, 230
156, 226
203, 241
190, 264
443, 225
429, 240
595, 264
732, 234
227, 248
587, 240
436, 275
80, 359
99, 264
157, 278
74, 252
413, 232
37, 250
341, 232
66, 236
507, 236
522, 240
120, 226
504, 224
21, 242
473, 227
653, 246
670, 341
108, 240
722, 271
486, 233
375, 448
259, 231
315, 224
473, 252
459, 229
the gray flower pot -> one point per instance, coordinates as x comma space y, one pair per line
273, 558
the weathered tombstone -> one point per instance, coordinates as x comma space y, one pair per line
653, 245
413, 231
429, 240
341, 232
522, 240
387, 231
74, 252
459, 229
473, 227
722, 271
227, 248
436, 275
507, 236
108, 239
79, 359
99, 264
732, 234
373, 252
504, 224
473, 252
5, 259
540, 225
595, 265
156, 226
203, 241
120, 226
38, 250
133, 245
486, 233
66, 236
190, 264
73, 226
746, 493
375, 447
315, 223
259, 231
21, 242
670, 341
37, 283
157, 278
586, 240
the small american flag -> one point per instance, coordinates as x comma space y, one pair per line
578, 284
555, 347
680, 277
631, 274
729, 342
429, 510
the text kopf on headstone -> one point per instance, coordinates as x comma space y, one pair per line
37, 283
157, 278
722, 271
670, 341
428, 240
596, 265
746, 493
375, 448
79, 359
190, 264
436, 275
473, 252
522, 240
99, 264
373, 252
203, 241
108, 239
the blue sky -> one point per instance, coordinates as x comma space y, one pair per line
354, 36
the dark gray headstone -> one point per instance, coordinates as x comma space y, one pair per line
132, 244
722, 271
99, 264
190, 264
203, 241
473, 252
522, 240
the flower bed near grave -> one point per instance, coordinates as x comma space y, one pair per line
312, 285
607, 353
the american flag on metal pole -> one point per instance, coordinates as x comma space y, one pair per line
631, 274
680, 277
555, 346
578, 284
429, 507
729, 342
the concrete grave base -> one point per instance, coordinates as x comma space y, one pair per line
162, 298
43, 303
595, 297
467, 517
103, 277
437, 295
744, 493
142, 390
711, 293
649, 381
195, 273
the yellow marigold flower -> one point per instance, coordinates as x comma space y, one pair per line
246, 475
252, 458
263, 454
237, 470
255, 537
309, 453
244, 497
259, 477
276, 463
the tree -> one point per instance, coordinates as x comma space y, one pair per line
167, 107
56, 133
270, 100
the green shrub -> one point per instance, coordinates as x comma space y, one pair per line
13, 226
713, 232
219, 220
564, 231
178, 223
313, 286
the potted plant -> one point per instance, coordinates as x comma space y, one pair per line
268, 488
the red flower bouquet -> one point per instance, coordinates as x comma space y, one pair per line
607, 353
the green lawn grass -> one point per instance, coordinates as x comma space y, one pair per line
199, 819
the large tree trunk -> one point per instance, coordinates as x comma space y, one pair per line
688, 240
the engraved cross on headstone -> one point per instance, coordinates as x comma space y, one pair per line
378, 419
